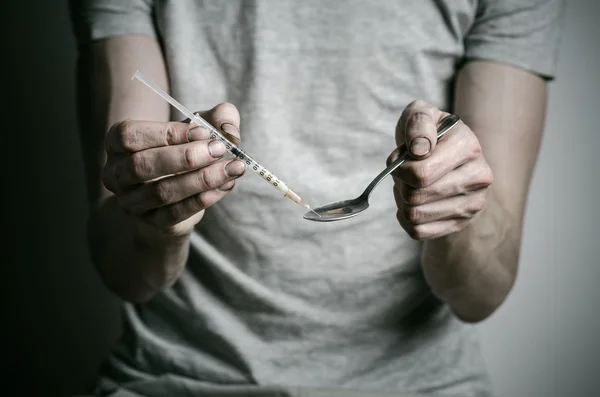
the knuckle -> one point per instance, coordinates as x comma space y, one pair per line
200, 201
474, 147
487, 176
169, 133
413, 215
415, 123
411, 196
162, 192
417, 117
459, 225
228, 186
413, 231
410, 214
191, 157
205, 179
420, 174
140, 166
459, 188
125, 135
474, 206
416, 233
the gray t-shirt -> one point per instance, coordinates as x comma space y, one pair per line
269, 298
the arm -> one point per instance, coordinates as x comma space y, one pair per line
473, 270
122, 247
159, 176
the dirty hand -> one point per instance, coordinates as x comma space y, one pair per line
166, 174
442, 185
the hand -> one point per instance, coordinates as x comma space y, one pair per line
166, 174
443, 185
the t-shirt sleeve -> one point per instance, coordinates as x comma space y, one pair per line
521, 33
101, 19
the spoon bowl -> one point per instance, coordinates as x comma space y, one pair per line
345, 209
338, 210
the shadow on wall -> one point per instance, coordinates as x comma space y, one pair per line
61, 321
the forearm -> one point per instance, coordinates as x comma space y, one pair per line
473, 270
132, 259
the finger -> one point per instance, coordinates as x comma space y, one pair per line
134, 136
466, 178
463, 207
108, 176
173, 214
226, 118
232, 138
175, 188
433, 230
109, 179
198, 133
457, 148
156, 162
417, 128
394, 155
206, 134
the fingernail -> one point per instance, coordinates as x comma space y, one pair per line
420, 146
216, 148
227, 186
235, 168
231, 133
197, 133
229, 128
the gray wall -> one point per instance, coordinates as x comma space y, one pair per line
58, 320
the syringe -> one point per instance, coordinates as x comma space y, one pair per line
231, 147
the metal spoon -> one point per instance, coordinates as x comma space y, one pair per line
345, 209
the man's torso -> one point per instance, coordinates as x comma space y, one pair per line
268, 297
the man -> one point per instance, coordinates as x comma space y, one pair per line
228, 290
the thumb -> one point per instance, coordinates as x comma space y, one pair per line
224, 117
418, 126
420, 135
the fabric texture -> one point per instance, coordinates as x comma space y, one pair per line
271, 304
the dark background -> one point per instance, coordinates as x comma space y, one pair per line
59, 321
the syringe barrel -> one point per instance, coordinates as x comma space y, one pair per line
251, 163
216, 134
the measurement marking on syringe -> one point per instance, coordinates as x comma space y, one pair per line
231, 147
239, 153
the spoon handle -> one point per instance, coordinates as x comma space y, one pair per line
447, 123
